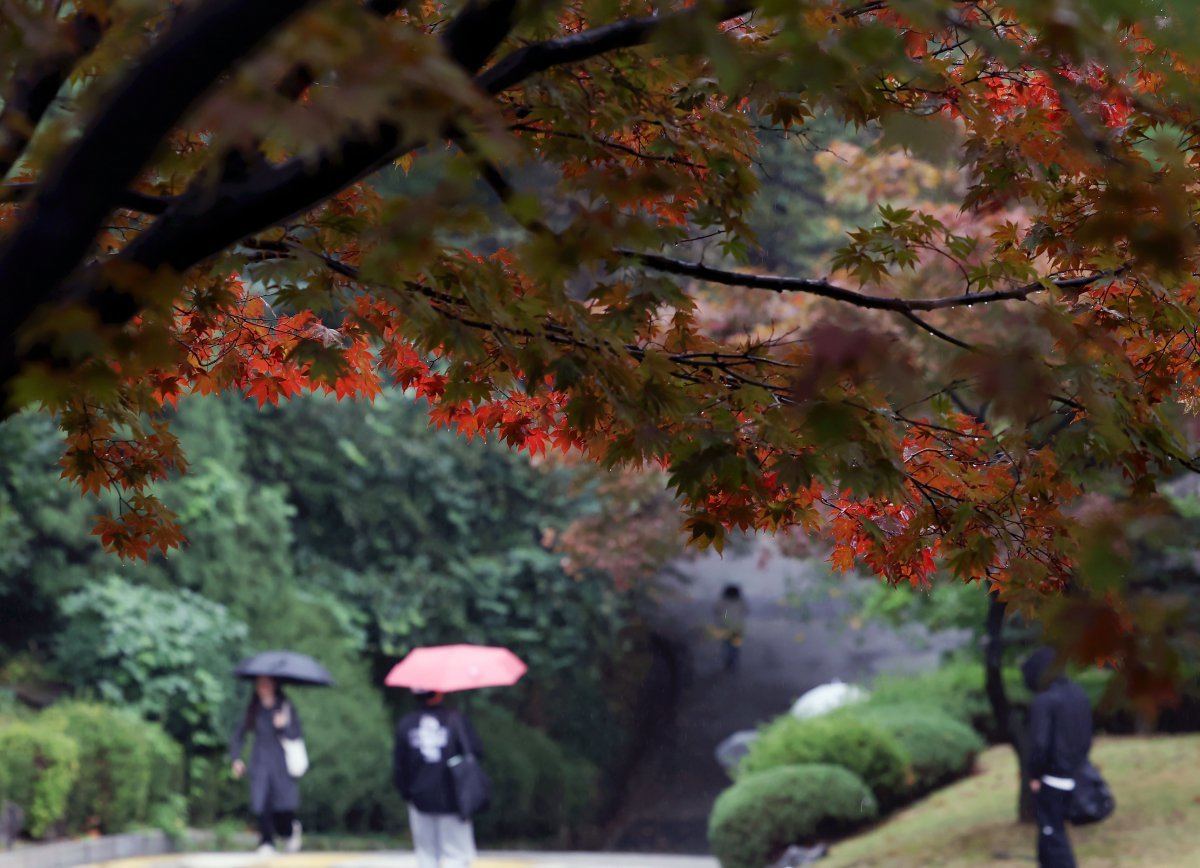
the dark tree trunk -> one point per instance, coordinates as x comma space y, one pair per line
1010, 728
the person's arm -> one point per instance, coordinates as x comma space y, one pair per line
1041, 734
237, 743
401, 773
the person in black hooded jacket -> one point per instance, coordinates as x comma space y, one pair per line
1060, 736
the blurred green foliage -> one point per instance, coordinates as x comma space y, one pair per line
349, 531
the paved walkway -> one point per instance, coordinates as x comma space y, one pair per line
406, 860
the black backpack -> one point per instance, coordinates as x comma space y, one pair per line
1091, 800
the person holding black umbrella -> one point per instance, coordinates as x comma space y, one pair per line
278, 757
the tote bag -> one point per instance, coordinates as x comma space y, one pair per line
472, 787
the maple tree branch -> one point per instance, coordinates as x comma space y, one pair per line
204, 224
84, 185
825, 289
514, 68
934, 330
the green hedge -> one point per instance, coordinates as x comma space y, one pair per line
539, 788
127, 767
864, 748
38, 767
939, 748
753, 821
83, 767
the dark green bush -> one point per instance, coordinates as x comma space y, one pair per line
761, 814
939, 748
38, 765
864, 748
539, 788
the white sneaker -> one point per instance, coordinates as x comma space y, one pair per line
265, 850
293, 843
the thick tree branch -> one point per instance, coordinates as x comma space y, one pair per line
131, 200
825, 289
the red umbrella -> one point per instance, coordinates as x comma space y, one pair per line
446, 668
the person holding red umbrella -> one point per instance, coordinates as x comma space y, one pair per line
436, 765
427, 742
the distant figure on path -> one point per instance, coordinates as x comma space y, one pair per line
729, 616
274, 794
1060, 736
427, 740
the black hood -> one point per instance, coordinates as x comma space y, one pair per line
1035, 668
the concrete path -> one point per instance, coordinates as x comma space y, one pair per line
407, 860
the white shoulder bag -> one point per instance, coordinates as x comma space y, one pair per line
295, 755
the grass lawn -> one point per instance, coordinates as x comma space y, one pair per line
1156, 782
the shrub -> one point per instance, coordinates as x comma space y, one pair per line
114, 774
939, 748
958, 689
213, 795
761, 814
863, 748
166, 767
38, 765
539, 788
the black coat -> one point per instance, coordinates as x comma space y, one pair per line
1060, 721
425, 741
271, 787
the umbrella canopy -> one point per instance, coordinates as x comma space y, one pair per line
286, 666
826, 697
447, 668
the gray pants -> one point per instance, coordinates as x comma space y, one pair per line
441, 840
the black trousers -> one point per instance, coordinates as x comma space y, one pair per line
272, 823
1050, 807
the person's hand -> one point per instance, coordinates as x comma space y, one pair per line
1035, 785
239, 768
282, 717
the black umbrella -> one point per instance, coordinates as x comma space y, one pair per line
287, 666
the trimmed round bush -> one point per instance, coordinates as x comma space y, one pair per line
939, 748
762, 814
863, 748
38, 765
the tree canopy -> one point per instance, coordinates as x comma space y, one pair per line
499, 205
